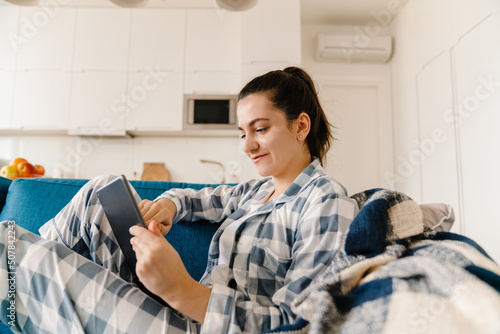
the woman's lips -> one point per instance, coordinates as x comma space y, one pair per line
258, 158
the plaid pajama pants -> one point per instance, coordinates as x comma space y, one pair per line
74, 279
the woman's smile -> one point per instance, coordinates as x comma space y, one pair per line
257, 158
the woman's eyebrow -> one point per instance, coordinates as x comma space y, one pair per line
255, 121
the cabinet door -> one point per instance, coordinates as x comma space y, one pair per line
102, 39
157, 40
52, 39
213, 41
271, 32
11, 39
6, 98
95, 103
212, 83
41, 100
154, 101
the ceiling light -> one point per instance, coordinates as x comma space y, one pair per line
24, 2
236, 5
129, 3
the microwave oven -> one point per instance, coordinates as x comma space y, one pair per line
216, 112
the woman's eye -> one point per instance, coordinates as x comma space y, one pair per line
242, 136
261, 130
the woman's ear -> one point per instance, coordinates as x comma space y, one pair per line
304, 125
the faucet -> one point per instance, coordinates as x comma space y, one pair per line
216, 163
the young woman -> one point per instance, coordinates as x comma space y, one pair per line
277, 234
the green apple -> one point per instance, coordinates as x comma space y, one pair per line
9, 172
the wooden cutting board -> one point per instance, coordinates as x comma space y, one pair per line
155, 171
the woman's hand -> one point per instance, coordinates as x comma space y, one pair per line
162, 211
160, 268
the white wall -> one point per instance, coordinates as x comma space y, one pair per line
356, 99
446, 96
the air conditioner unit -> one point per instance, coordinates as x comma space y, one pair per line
355, 48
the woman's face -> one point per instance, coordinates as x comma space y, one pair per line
271, 142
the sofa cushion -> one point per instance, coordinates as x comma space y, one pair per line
4, 187
32, 202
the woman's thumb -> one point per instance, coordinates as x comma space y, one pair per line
153, 227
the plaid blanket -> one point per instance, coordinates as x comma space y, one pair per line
397, 276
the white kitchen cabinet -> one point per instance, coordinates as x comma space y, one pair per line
271, 32
157, 40
96, 106
41, 100
154, 101
102, 39
212, 83
52, 39
11, 39
213, 41
6, 98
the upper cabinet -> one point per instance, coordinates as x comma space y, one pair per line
271, 33
95, 103
99, 78
6, 98
106, 71
11, 39
271, 37
213, 52
157, 40
155, 79
154, 102
44, 48
46, 45
102, 39
41, 100
213, 41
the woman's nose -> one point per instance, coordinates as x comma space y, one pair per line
249, 144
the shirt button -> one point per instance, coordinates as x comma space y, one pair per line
232, 284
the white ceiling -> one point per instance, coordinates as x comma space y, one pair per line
330, 12
340, 12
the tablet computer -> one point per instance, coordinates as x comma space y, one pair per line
123, 212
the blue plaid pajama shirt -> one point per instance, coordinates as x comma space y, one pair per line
293, 239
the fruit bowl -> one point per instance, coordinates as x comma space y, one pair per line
21, 168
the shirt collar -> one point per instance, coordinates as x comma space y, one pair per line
310, 173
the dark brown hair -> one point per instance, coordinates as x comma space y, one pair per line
292, 91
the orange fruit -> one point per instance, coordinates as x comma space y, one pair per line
17, 161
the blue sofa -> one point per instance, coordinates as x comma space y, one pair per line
32, 202
438, 274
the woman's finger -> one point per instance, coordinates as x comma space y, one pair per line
141, 203
144, 207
